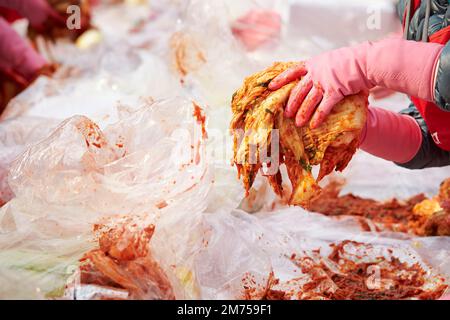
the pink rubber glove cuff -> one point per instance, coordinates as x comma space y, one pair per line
411, 66
391, 136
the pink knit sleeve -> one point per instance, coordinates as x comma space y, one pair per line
391, 136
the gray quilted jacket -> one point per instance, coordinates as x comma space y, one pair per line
430, 17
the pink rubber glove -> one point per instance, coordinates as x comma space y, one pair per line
391, 136
17, 55
257, 28
396, 64
36, 11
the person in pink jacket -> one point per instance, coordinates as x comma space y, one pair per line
418, 65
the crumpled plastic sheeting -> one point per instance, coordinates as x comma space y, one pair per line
114, 75
15, 135
224, 62
79, 174
224, 248
120, 71
63, 183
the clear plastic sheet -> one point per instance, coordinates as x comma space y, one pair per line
69, 174
81, 174
15, 136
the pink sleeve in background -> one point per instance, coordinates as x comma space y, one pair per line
257, 28
24, 7
391, 136
36, 11
16, 54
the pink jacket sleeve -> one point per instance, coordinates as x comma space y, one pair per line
36, 11
16, 54
391, 136
403, 66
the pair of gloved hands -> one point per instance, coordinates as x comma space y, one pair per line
16, 55
403, 66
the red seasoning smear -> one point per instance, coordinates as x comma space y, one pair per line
201, 119
91, 133
124, 261
393, 215
381, 278
417, 215
162, 204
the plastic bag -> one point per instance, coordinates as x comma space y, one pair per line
139, 165
15, 136
63, 184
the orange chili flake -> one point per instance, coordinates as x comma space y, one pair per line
201, 119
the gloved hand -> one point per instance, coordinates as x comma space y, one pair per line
16, 55
256, 28
402, 132
396, 64
38, 12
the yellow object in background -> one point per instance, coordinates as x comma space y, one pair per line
89, 39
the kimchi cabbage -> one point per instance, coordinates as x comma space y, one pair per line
264, 137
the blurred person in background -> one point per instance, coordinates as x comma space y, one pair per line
418, 65
20, 63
